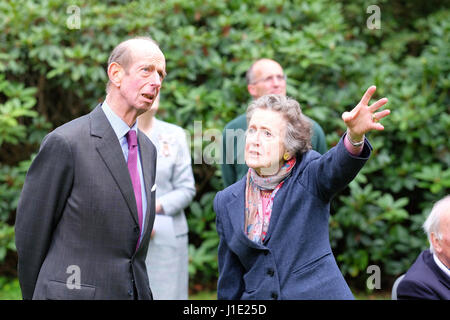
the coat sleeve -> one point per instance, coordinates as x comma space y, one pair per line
328, 174
47, 185
230, 285
182, 180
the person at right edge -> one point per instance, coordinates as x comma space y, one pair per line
273, 223
429, 276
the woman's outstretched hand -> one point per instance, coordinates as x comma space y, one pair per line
363, 117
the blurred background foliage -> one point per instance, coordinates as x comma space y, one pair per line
53, 57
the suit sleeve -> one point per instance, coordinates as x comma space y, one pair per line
230, 285
182, 180
47, 185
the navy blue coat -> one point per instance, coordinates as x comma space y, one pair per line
424, 280
295, 260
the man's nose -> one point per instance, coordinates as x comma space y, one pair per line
155, 80
276, 81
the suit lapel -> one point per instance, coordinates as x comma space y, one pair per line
148, 169
441, 276
108, 147
445, 282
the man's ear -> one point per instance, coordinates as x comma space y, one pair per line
436, 243
115, 74
251, 89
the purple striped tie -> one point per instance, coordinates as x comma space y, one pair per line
134, 174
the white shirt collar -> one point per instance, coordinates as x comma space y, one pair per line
119, 126
441, 265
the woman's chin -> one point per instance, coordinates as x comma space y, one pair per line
256, 165
267, 171
263, 170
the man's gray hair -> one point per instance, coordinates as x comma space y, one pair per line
122, 54
298, 129
432, 223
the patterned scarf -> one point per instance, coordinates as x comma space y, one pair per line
256, 216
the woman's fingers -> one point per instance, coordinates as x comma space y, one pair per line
380, 115
377, 105
367, 95
347, 116
363, 117
377, 126
376, 117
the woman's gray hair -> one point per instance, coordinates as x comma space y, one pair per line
432, 224
298, 129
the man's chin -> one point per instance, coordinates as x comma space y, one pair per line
145, 106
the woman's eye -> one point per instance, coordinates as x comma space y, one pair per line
267, 133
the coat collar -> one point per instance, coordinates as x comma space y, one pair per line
442, 277
236, 214
236, 209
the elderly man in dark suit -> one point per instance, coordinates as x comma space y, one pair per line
429, 276
87, 207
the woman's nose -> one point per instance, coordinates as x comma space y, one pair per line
254, 138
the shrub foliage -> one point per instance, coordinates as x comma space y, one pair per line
52, 69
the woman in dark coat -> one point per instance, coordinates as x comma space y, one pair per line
273, 223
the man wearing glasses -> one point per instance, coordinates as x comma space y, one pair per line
265, 76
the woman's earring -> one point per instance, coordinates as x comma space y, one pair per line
286, 156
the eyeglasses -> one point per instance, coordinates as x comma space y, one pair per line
279, 78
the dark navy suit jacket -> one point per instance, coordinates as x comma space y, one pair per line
424, 280
295, 260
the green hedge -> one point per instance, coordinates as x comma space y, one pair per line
52, 69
